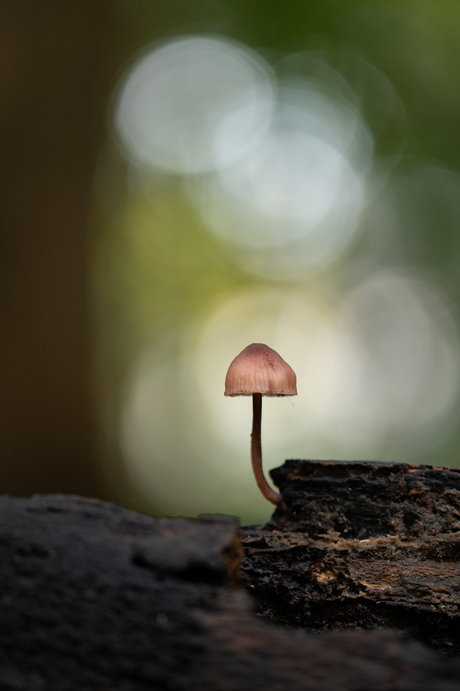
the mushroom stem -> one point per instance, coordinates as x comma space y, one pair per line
256, 453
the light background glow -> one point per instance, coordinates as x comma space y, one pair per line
377, 368
259, 211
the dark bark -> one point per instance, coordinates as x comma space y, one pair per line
97, 597
363, 545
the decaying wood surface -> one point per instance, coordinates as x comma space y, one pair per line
94, 597
363, 545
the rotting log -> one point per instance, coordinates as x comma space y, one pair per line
95, 597
362, 545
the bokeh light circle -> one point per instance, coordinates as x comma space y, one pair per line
292, 203
194, 104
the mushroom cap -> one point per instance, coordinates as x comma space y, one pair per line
259, 369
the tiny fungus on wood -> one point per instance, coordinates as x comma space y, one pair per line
259, 371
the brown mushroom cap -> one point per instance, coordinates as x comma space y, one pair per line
259, 369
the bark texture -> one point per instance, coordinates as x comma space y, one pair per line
96, 597
363, 545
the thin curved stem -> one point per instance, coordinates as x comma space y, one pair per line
256, 453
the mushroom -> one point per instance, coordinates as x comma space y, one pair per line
258, 370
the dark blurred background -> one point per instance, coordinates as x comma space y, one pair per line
181, 179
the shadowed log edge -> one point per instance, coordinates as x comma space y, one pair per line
94, 596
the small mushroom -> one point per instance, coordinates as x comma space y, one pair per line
258, 370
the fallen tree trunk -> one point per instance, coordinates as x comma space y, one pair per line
363, 545
96, 597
